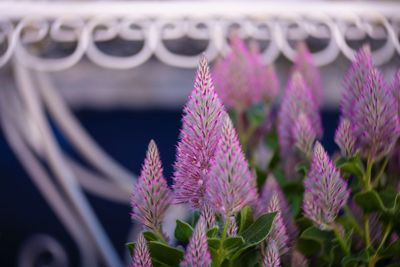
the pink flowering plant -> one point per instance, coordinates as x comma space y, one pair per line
294, 205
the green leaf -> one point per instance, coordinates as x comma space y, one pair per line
314, 240
214, 243
164, 255
259, 230
256, 233
183, 231
245, 219
232, 244
351, 166
356, 260
151, 236
392, 250
256, 115
249, 257
369, 201
131, 247
213, 246
212, 232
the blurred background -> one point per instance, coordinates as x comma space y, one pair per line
84, 86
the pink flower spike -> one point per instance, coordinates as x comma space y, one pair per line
278, 231
396, 90
354, 81
325, 190
304, 135
271, 257
297, 99
231, 185
197, 254
198, 139
345, 139
376, 119
141, 254
304, 64
270, 188
151, 197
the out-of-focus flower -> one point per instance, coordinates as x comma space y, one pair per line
231, 185
141, 254
198, 139
325, 190
298, 260
151, 197
232, 227
354, 81
197, 254
270, 188
345, 139
396, 90
271, 256
376, 119
240, 78
304, 135
304, 64
297, 99
278, 231
208, 214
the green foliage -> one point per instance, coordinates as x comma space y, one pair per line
164, 255
183, 231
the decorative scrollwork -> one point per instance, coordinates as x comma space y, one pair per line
334, 30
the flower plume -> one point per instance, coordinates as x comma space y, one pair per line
354, 81
304, 135
271, 257
231, 185
198, 139
278, 231
396, 90
141, 254
345, 139
197, 254
152, 196
376, 118
325, 190
297, 99
304, 64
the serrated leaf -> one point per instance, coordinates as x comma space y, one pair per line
165, 255
369, 201
131, 247
183, 231
245, 218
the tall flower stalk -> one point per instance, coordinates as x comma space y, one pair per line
199, 137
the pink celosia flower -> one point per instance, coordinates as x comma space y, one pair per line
198, 139
278, 231
270, 188
271, 256
376, 119
297, 99
241, 79
232, 227
151, 196
231, 185
304, 64
304, 135
345, 139
141, 254
354, 81
396, 90
197, 254
325, 190
208, 214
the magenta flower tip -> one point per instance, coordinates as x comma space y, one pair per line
151, 197
231, 185
141, 254
271, 256
345, 139
197, 254
325, 190
199, 137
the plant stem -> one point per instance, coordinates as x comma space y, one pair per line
381, 171
366, 231
342, 243
223, 236
385, 236
367, 178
